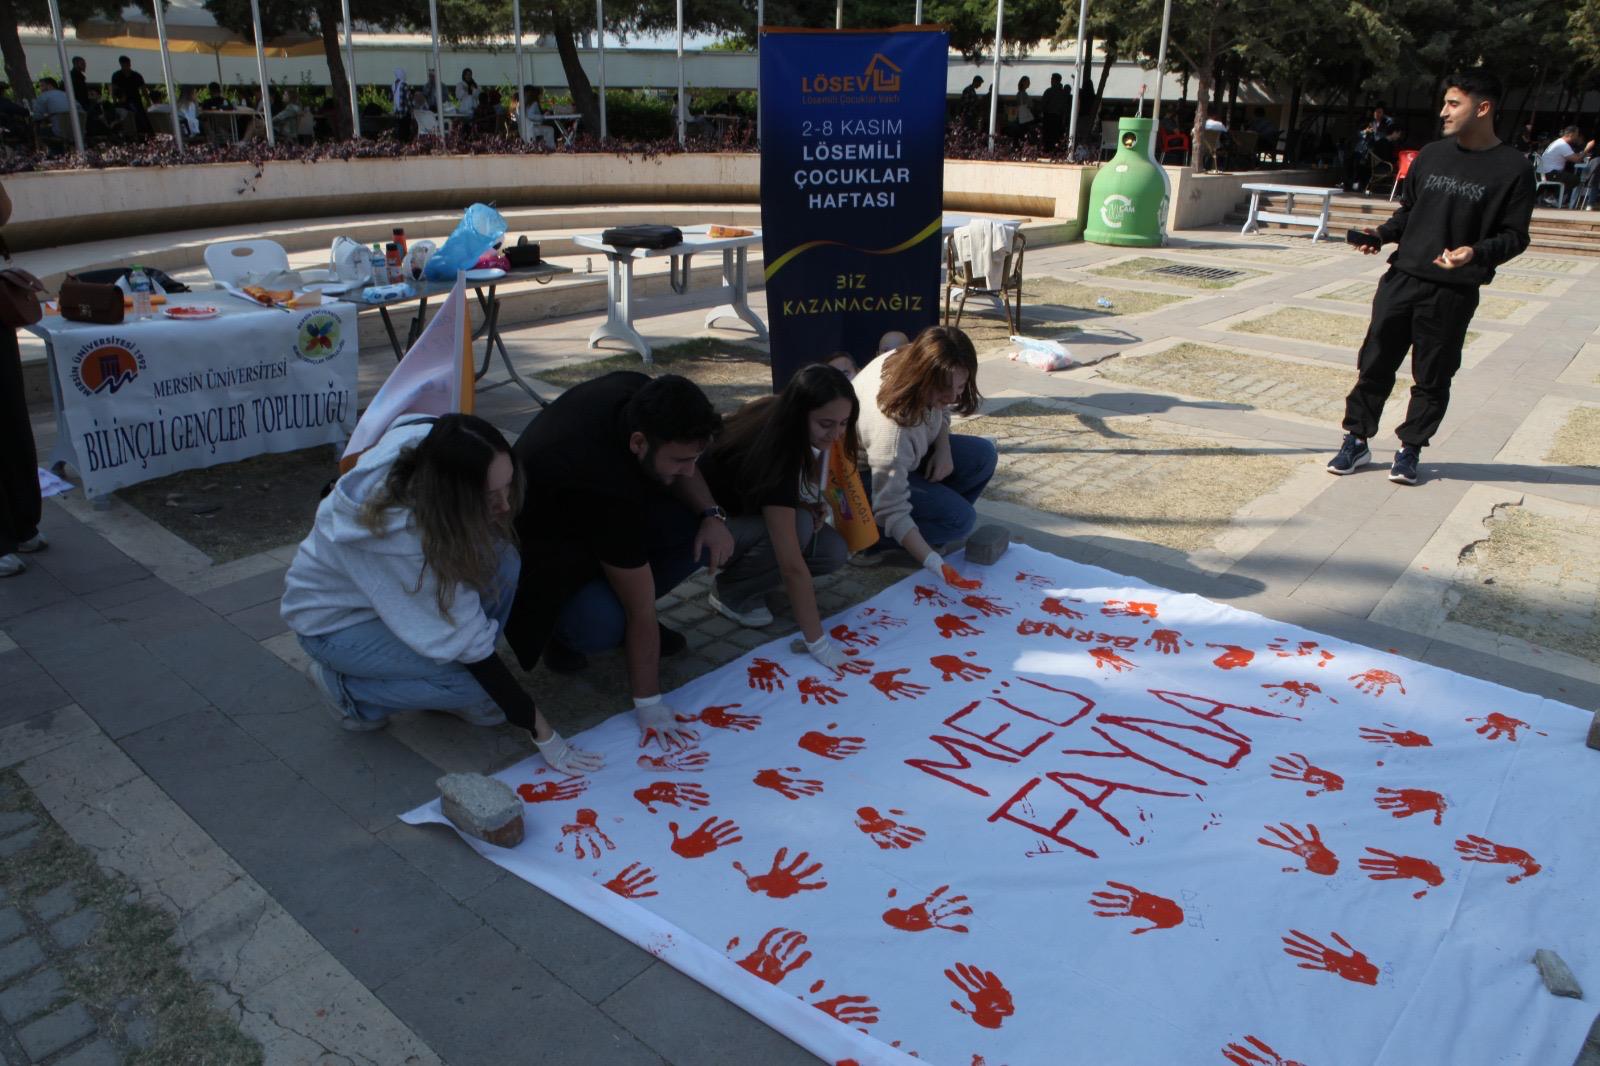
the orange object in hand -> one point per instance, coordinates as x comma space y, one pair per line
952, 576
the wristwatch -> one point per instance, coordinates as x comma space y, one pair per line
714, 512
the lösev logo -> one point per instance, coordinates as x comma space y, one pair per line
319, 337
881, 76
105, 365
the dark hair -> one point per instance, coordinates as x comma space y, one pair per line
767, 442
214, 87
125, 59
672, 409
1477, 83
50, 82
927, 363
441, 480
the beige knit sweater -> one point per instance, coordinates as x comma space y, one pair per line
893, 451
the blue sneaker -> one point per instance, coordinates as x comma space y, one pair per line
1404, 469
1351, 457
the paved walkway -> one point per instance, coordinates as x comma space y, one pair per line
155, 708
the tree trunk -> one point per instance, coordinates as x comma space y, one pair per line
329, 15
583, 95
15, 58
1202, 101
1100, 90
1291, 147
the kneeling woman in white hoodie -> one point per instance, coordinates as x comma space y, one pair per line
405, 581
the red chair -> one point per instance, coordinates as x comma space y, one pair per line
1176, 141
1406, 156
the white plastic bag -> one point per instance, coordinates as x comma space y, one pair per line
1041, 354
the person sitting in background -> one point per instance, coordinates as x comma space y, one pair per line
189, 111
215, 99
51, 101
533, 101
1373, 140
101, 118
1266, 131
843, 362
1558, 162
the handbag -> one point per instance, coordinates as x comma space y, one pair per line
85, 301
523, 254
643, 236
19, 295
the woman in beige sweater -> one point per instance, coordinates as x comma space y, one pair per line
925, 479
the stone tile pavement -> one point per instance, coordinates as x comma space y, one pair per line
135, 669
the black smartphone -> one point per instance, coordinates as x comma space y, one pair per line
1363, 239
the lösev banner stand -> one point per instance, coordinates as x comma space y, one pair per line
852, 188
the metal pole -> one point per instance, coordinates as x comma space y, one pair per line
838, 15
1161, 61
683, 103
522, 104
349, 70
600, 40
761, 18
166, 72
919, 13
1077, 83
66, 77
994, 84
261, 71
438, 69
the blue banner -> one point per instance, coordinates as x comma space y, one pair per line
852, 189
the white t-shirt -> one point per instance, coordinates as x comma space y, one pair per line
1556, 155
1217, 125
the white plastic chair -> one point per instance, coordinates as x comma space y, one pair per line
427, 121
1540, 182
232, 260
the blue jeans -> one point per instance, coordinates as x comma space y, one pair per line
379, 675
943, 510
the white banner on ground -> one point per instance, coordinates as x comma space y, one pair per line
1067, 818
149, 398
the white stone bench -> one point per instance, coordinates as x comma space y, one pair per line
1286, 216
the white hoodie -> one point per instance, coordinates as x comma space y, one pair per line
344, 574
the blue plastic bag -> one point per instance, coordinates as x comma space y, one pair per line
475, 234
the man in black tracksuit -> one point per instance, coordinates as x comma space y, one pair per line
1465, 211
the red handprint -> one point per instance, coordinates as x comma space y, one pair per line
930, 913
955, 625
1404, 802
1104, 657
765, 674
954, 578
1376, 681
1167, 640
885, 683
1400, 738
1319, 860
671, 794
1125, 901
1052, 605
719, 718
835, 748
814, 688
876, 616
953, 667
1027, 627
929, 594
790, 788
986, 606
1035, 580
845, 635
1232, 657
775, 957
1480, 849
1496, 725
1304, 648
1295, 692
1131, 609
688, 761
553, 791
991, 1002
1391, 867
631, 882
711, 835
853, 666
851, 1010
886, 832
1295, 767
1352, 967
585, 831
1257, 1054
782, 881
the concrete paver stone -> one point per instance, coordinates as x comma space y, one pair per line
57, 1030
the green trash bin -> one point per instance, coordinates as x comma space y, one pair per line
1128, 201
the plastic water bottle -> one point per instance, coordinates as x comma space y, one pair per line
1103, 303
380, 266
140, 288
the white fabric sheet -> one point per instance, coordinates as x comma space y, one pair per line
1069, 818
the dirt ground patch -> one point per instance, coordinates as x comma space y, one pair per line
1070, 294
1577, 442
1548, 264
731, 374
1304, 324
1495, 308
1534, 578
1141, 268
1177, 491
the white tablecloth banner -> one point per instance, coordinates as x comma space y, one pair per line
149, 398
1067, 818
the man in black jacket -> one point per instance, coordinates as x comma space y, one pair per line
1465, 211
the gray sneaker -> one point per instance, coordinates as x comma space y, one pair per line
11, 565
327, 683
755, 616
1351, 457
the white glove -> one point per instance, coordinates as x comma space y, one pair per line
657, 723
933, 563
826, 652
564, 757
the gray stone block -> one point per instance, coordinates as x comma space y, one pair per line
1557, 976
98, 1053
19, 957
11, 925
987, 544
55, 1031
33, 996
482, 807
56, 903
1594, 732
72, 933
